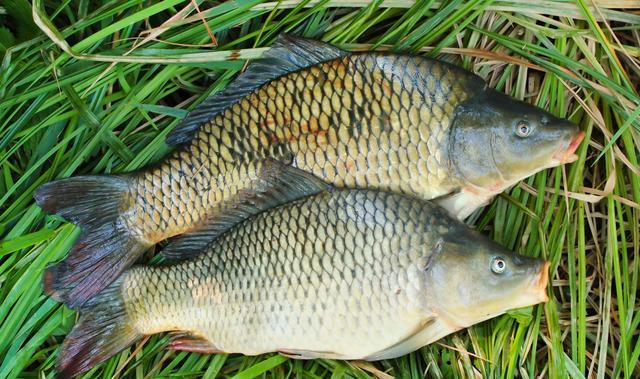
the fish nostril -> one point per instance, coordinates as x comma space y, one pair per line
544, 120
571, 126
518, 260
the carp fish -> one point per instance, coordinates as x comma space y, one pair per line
393, 122
344, 274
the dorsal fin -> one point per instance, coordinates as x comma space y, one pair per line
278, 184
288, 54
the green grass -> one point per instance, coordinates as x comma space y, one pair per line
99, 92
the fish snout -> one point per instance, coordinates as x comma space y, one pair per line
567, 154
540, 283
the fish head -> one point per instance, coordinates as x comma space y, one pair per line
474, 279
496, 141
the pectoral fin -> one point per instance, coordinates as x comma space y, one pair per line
310, 354
462, 203
429, 330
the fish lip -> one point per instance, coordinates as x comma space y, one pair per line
568, 155
541, 282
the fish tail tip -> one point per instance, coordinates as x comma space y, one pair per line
102, 331
44, 197
65, 372
67, 365
95, 261
49, 282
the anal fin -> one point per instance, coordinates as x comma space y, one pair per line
185, 341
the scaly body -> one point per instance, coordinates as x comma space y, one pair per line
310, 275
399, 123
344, 274
360, 121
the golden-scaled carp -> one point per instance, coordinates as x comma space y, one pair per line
400, 123
344, 274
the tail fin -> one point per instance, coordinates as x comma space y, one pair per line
102, 331
105, 247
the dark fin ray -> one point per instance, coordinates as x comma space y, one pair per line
102, 331
278, 184
96, 260
309, 354
288, 54
105, 247
83, 200
184, 341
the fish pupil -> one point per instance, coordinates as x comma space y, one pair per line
498, 265
523, 129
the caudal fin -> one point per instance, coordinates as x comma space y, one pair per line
102, 331
105, 247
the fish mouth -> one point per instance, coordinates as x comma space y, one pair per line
541, 282
568, 155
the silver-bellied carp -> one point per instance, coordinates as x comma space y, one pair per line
344, 274
399, 123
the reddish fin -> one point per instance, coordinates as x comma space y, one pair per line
185, 341
102, 331
310, 354
95, 261
105, 248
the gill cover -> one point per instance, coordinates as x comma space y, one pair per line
474, 279
496, 140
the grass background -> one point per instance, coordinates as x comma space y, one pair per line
95, 87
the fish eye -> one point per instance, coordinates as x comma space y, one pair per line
523, 129
498, 265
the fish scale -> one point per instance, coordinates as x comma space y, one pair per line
374, 144
399, 123
343, 274
272, 284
